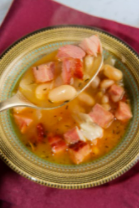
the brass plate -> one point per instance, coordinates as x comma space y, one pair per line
15, 61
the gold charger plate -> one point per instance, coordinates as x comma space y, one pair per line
16, 60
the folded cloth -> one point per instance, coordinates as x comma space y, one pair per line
18, 192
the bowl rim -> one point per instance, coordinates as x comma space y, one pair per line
64, 26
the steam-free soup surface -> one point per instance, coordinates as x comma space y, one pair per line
84, 129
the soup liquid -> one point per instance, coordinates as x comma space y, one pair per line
59, 121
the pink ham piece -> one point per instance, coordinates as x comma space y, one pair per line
54, 139
22, 122
116, 93
101, 116
44, 73
70, 51
123, 112
71, 68
67, 71
79, 152
92, 45
74, 135
58, 145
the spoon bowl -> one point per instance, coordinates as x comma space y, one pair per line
19, 100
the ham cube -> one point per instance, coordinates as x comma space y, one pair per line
70, 51
123, 112
44, 73
116, 93
59, 147
101, 116
78, 69
67, 71
57, 144
71, 68
54, 139
22, 122
79, 151
91, 45
74, 135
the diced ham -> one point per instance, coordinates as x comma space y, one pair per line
71, 68
57, 143
101, 116
78, 69
59, 147
116, 92
91, 45
70, 51
22, 122
74, 135
79, 151
54, 139
41, 134
123, 112
67, 71
44, 72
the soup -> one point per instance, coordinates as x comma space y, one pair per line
87, 127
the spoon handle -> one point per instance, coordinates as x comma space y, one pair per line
10, 103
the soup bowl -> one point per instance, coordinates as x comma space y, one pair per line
13, 64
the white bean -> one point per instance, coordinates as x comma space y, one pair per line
86, 98
105, 99
112, 73
62, 93
42, 90
106, 83
100, 94
95, 83
106, 106
88, 62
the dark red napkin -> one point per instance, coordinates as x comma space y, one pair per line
24, 17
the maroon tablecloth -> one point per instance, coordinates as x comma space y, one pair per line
24, 17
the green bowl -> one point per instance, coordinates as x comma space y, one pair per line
16, 60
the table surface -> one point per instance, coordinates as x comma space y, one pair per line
126, 12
